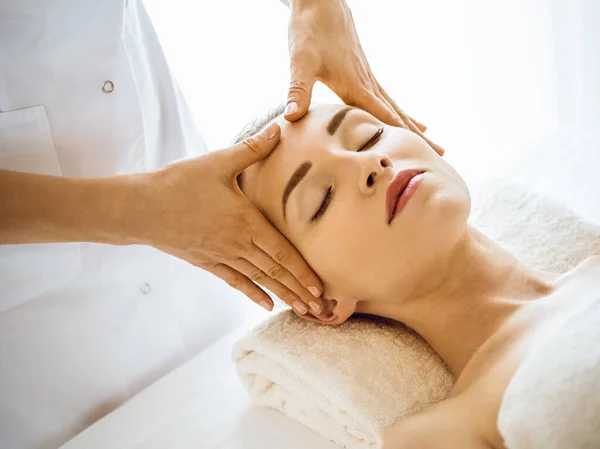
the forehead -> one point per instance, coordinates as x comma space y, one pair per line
265, 181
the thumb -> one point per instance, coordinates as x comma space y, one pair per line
252, 149
299, 95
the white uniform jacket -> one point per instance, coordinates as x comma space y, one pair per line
85, 91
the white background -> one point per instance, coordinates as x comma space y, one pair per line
483, 75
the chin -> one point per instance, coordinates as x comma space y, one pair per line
446, 211
452, 212
442, 224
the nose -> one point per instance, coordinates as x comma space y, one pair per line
371, 172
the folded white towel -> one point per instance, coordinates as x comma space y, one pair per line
351, 382
541, 232
347, 383
561, 410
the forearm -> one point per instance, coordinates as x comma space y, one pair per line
40, 209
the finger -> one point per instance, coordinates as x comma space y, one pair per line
283, 252
420, 125
378, 108
240, 282
299, 95
383, 95
403, 118
252, 149
411, 125
262, 261
257, 275
438, 149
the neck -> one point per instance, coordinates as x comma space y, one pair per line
476, 289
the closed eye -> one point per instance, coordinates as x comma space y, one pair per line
372, 141
323, 207
327, 199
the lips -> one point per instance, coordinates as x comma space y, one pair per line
396, 188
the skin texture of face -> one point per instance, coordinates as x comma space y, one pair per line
359, 256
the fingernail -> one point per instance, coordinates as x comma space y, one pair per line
314, 291
270, 131
300, 307
291, 108
315, 307
266, 305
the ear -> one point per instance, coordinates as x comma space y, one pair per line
336, 311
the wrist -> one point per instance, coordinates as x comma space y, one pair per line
107, 210
133, 210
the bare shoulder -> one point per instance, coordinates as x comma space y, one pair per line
445, 424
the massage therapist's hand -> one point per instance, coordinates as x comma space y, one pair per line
324, 46
204, 218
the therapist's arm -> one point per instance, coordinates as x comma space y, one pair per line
192, 209
43, 209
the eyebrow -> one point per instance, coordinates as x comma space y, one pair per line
337, 119
303, 169
298, 176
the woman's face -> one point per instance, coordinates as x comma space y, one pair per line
324, 187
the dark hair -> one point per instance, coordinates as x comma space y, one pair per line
253, 127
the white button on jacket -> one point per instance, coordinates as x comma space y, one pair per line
85, 92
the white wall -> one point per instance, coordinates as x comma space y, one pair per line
481, 74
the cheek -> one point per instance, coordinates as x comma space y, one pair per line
354, 253
353, 258
437, 223
455, 198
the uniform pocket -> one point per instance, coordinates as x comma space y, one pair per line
26, 271
26, 142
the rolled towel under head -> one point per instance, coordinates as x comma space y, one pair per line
348, 382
